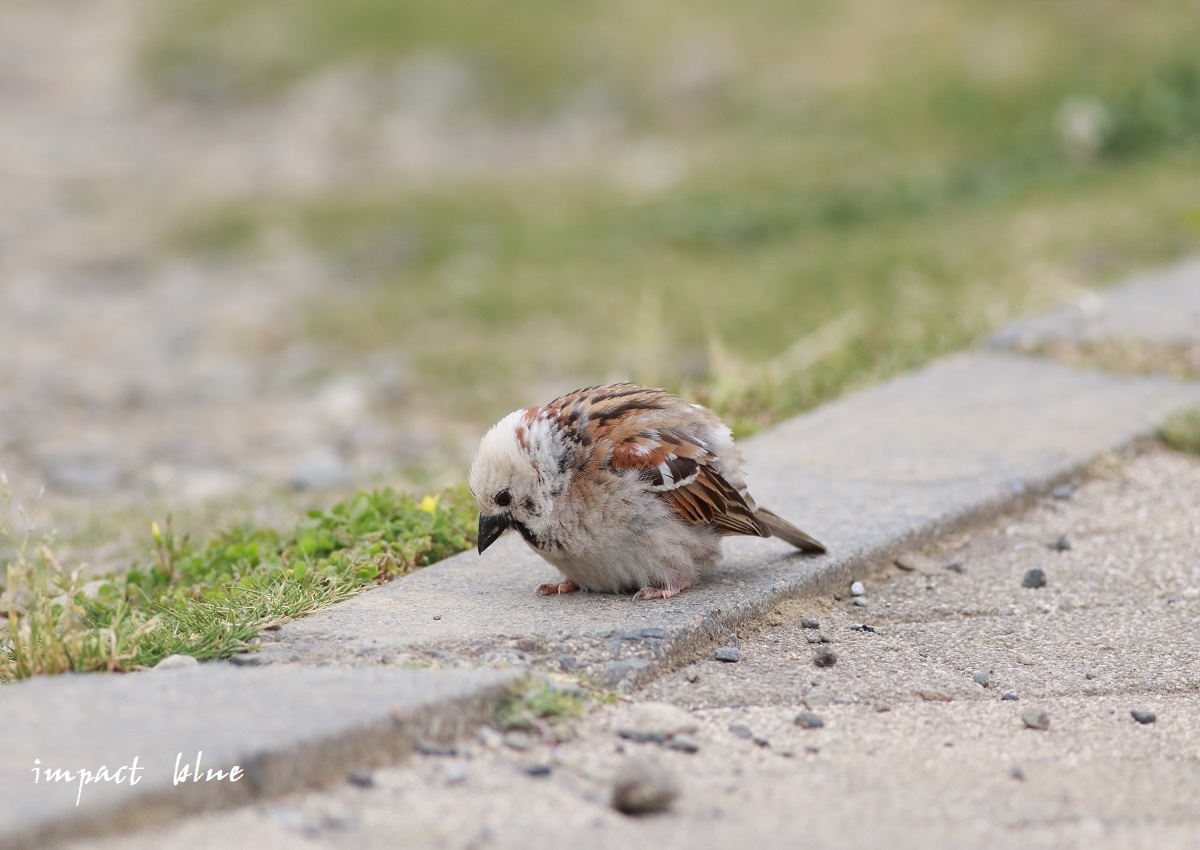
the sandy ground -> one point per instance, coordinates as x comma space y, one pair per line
914, 752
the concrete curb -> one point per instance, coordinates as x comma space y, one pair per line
285, 729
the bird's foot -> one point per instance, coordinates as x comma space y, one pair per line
660, 592
553, 588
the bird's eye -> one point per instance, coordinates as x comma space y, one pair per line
504, 498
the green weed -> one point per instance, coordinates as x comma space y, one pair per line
1182, 431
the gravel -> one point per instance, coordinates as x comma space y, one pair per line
1062, 492
817, 699
1036, 718
518, 740
177, 662
809, 720
824, 657
1062, 544
657, 718
642, 786
684, 744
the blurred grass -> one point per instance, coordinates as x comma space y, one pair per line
789, 198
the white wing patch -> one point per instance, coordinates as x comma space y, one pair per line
666, 472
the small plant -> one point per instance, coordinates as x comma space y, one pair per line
1182, 431
534, 703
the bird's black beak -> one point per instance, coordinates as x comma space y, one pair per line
491, 527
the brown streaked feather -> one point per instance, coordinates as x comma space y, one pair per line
651, 432
629, 429
730, 512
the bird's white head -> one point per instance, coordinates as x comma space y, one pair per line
518, 474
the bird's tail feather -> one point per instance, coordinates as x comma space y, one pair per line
784, 530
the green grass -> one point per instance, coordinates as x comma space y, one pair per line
835, 191
534, 703
1182, 431
209, 599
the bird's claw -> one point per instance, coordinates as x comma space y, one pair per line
658, 592
553, 588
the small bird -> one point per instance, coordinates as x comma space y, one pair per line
621, 487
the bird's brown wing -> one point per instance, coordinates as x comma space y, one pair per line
664, 441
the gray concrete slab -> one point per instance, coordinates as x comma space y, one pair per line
1158, 307
882, 469
284, 728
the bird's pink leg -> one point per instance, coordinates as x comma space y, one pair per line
553, 588
661, 592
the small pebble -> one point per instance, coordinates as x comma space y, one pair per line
1035, 718
857, 589
518, 740
817, 638
809, 720
489, 737
956, 567
535, 769
642, 786
810, 623
1089, 675
684, 744
640, 736
915, 562
863, 628
1062, 491
455, 773
1143, 716
362, 778
728, 654
692, 676
436, 748
1028, 661
176, 662
882, 706
934, 695
1034, 578
660, 718
1009, 695
741, 731
817, 699
981, 679
1062, 544
824, 657
861, 601
1015, 772
761, 741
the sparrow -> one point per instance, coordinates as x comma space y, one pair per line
622, 488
